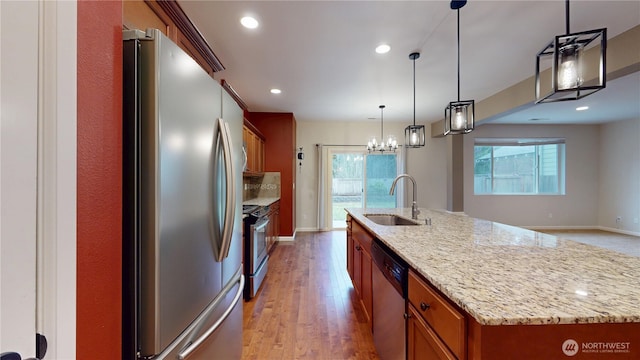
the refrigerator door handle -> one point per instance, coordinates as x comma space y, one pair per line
229, 216
194, 345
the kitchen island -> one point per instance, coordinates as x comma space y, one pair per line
518, 293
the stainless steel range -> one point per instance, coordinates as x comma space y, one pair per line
255, 248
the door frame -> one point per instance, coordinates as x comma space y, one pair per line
327, 160
51, 135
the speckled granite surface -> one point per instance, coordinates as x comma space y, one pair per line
262, 201
504, 275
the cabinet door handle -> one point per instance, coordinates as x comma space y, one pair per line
424, 306
358, 247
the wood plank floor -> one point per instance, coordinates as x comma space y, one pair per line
307, 307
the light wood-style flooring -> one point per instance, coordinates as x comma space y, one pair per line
307, 307
626, 244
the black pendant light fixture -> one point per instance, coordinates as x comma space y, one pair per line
573, 74
374, 145
458, 115
414, 135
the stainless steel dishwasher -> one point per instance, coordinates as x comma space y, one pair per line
389, 278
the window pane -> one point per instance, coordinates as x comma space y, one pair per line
549, 169
482, 170
513, 169
518, 168
381, 170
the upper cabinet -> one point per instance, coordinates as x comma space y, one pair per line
168, 17
253, 142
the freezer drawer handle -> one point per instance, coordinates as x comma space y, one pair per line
193, 346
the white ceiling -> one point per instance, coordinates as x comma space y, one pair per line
321, 55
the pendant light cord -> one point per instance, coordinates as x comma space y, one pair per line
567, 15
414, 91
381, 123
458, 11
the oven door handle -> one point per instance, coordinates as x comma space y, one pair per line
230, 196
260, 224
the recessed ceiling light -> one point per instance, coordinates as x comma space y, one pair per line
383, 49
582, 108
276, 91
249, 22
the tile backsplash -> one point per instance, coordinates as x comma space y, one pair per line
266, 186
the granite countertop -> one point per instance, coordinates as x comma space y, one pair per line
261, 201
505, 275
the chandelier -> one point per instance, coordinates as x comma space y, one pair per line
374, 145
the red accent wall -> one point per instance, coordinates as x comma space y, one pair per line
99, 189
279, 130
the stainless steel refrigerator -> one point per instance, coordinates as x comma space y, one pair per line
182, 222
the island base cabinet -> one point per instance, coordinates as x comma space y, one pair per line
423, 341
611, 341
359, 265
446, 322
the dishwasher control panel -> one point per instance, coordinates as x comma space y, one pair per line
391, 265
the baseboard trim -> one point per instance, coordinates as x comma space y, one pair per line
619, 231
287, 238
562, 228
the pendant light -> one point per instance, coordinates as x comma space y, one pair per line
569, 79
390, 145
414, 134
458, 115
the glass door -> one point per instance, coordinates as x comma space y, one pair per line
381, 170
347, 177
360, 180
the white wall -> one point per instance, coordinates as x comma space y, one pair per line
602, 174
619, 178
427, 165
577, 208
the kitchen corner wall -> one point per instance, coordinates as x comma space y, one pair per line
99, 181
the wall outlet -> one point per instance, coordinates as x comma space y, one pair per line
635, 220
550, 215
618, 219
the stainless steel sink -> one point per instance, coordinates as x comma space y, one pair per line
389, 220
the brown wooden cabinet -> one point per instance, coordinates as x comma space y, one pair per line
435, 326
273, 228
254, 147
359, 258
423, 343
349, 249
168, 17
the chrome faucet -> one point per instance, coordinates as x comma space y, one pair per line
414, 205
